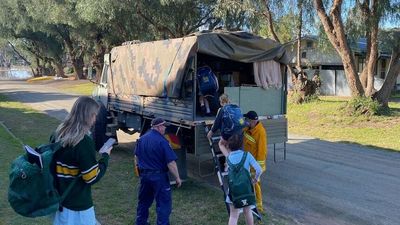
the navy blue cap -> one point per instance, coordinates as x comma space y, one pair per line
252, 115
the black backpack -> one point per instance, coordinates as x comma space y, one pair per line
241, 191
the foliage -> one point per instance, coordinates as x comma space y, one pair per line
295, 97
283, 26
298, 97
253, 15
304, 89
362, 106
68, 70
177, 18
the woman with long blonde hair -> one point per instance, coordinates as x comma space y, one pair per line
77, 160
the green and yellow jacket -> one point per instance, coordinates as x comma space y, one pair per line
71, 162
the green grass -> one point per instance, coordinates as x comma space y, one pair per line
31, 128
81, 89
115, 196
326, 120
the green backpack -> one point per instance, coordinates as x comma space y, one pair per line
241, 191
32, 191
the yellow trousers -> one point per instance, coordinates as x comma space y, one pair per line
257, 190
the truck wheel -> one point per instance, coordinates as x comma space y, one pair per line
100, 126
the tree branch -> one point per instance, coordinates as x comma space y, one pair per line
154, 23
19, 54
268, 14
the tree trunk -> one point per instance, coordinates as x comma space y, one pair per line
76, 58
37, 72
382, 96
372, 20
19, 54
371, 65
299, 27
333, 27
364, 72
270, 21
59, 66
77, 64
59, 69
98, 57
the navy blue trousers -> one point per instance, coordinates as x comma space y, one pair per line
154, 186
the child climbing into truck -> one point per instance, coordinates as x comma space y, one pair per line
208, 90
241, 191
229, 119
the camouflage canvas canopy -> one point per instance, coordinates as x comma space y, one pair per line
157, 68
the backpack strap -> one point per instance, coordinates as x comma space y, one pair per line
56, 146
240, 164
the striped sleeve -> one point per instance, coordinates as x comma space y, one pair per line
91, 169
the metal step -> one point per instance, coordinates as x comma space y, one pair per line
215, 139
112, 125
219, 155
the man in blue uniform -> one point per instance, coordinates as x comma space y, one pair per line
154, 158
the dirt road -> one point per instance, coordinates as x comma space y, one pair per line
321, 182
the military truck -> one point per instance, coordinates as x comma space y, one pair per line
141, 81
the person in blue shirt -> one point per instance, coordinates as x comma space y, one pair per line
221, 119
154, 158
233, 152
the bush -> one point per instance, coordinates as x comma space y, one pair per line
362, 106
298, 97
311, 98
295, 97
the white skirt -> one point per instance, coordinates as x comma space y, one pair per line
71, 217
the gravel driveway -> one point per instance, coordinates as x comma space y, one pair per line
321, 182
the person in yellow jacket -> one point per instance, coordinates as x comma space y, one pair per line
255, 142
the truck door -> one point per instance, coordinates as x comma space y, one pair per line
100, 91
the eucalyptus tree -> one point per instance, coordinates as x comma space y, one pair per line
363, 21
305, 14
115, 22
62, 18
124, 20
47, 50
41, 49
391, 38
372, 13
177, 18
